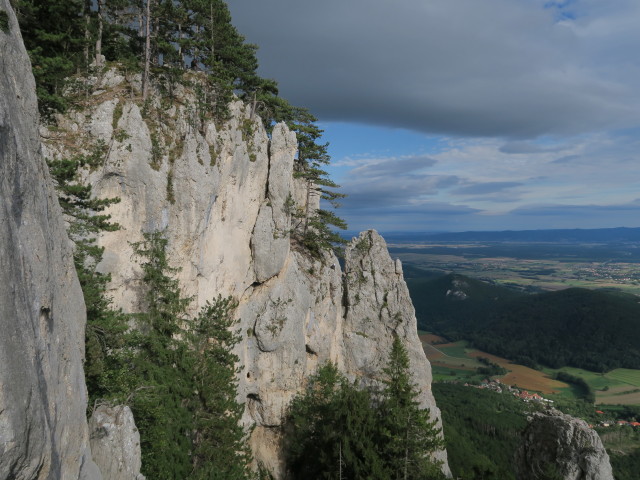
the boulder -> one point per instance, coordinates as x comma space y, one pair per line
559, 446
115, 443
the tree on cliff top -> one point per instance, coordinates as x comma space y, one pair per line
314, 229
64, 37
53, 34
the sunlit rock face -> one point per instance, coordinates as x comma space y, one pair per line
223, 194
43, 428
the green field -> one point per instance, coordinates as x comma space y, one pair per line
457, 349
625, 375
620, 386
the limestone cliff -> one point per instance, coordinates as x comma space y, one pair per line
556, 445
222, 193
43, 428
115, 443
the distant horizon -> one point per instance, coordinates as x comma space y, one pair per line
438, 232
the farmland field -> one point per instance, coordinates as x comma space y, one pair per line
457, 361
530, 266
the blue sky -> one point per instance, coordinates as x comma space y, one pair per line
453, 115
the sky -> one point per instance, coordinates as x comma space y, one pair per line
457, 115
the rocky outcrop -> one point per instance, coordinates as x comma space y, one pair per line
223, 194
558, 446
377, 308
43, 428
270, 241
115, 443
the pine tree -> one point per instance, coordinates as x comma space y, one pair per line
334, 428
105, 339
185, 405
161, 401
120, 40
331, 430
408, 434
54, 35
312, 228
220, 450
148, 18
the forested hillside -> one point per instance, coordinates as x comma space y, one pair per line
482, 430
595, 330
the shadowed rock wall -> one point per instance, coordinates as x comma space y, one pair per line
43, 428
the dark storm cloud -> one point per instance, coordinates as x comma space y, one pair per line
489, 68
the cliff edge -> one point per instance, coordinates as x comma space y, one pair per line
224, 194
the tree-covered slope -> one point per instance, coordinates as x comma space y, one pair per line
595, 330
482, 430
452, 304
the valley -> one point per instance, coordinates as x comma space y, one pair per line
487, 308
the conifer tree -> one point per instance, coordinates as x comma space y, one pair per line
331, 430
54, 35
334, 428
105, 338
121, 41
314, 229
185, 403
160, 403
315, 226
408, 434
220, 450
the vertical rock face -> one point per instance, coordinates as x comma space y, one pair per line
377, 308
223, 195
43, 428
559, 446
